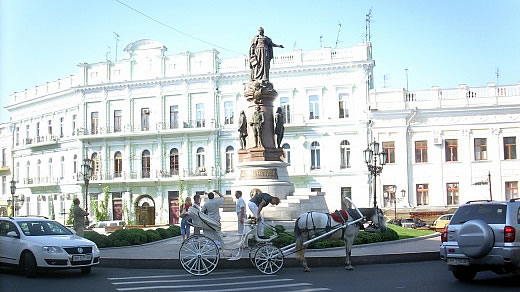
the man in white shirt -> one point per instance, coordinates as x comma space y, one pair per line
211, 207
241, 212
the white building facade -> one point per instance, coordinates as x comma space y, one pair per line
161, 127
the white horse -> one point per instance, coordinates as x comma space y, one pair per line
312, 224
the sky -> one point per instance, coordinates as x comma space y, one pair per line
442, 43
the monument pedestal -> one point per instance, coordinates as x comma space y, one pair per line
269, 176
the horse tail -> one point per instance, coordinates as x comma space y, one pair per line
297, 230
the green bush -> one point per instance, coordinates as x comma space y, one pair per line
164, 233
152, 235
174, 230
132, 236
99, 239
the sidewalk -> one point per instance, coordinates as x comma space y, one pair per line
165, 253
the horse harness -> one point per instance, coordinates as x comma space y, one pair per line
339, 216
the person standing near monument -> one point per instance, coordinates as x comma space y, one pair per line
258, 123
196, 205
211, 207
79, 218
242, 128
241, 212
256, 204
279, 128
260, 55
185, 227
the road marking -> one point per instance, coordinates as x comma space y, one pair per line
232, 289
314, 289
164, 276
191, 280
211, 285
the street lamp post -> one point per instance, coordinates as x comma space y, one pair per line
87, 173
13, 190
372, 157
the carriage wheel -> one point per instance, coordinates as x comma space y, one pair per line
269, 259
253, 251
199, 255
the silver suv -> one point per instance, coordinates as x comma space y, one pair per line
482, 236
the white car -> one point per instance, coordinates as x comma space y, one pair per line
35, 243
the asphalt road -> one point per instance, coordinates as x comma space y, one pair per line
419, 276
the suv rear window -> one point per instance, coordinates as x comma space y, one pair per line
489, 213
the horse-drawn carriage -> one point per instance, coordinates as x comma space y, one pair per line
199, 254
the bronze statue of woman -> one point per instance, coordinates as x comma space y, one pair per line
260, 55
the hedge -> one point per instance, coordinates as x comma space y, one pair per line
125, 237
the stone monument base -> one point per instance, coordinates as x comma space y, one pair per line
260, 154
269, 176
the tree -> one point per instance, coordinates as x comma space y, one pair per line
101, 207
70, 218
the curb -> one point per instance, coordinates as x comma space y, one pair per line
244, 263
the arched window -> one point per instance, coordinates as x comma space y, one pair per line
344, 150
50, 173
201, 156
38, 169
315, 155
145, 164
75, 164
229, 159
28, 172
62, 167
95, 165
287, 152
174, 161
118, 164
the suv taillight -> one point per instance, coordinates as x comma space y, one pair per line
509, 234
444, 234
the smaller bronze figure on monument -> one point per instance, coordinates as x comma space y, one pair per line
260, 55
279, 128
258, 123
242, 128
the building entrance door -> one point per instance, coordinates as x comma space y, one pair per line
173, 202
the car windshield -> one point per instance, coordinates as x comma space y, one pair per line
489, 213
42, 228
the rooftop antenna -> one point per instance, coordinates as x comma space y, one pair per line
337, 36
498, 74
367, 25
294, 46
406, 70
321, 39
107, 54
117, 41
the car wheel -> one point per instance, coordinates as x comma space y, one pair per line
464, 274
475, 238
28, 264
86, 270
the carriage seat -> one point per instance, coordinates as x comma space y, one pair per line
339, 216
199, 219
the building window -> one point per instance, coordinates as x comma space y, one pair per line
201, 166
145, 164
480, 149
229, 159
61, 127
73, 125
228, 113
117, 121
389, 147
4, 184
389, 195
287, 152
62, 167
49, 165
174, 117
452, 191
4, 157
118, 164
314, 107
509, 147
49, 127
27, 134
511, 190
451, 150
199, 115
28, 171
38, 169
145, 119
17, 136
343, 105
94, 122
344, 150
286, 109
37, 130
95, 165
422, 194
315, 155
75, 164
174, 161
346, 192
421, 151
